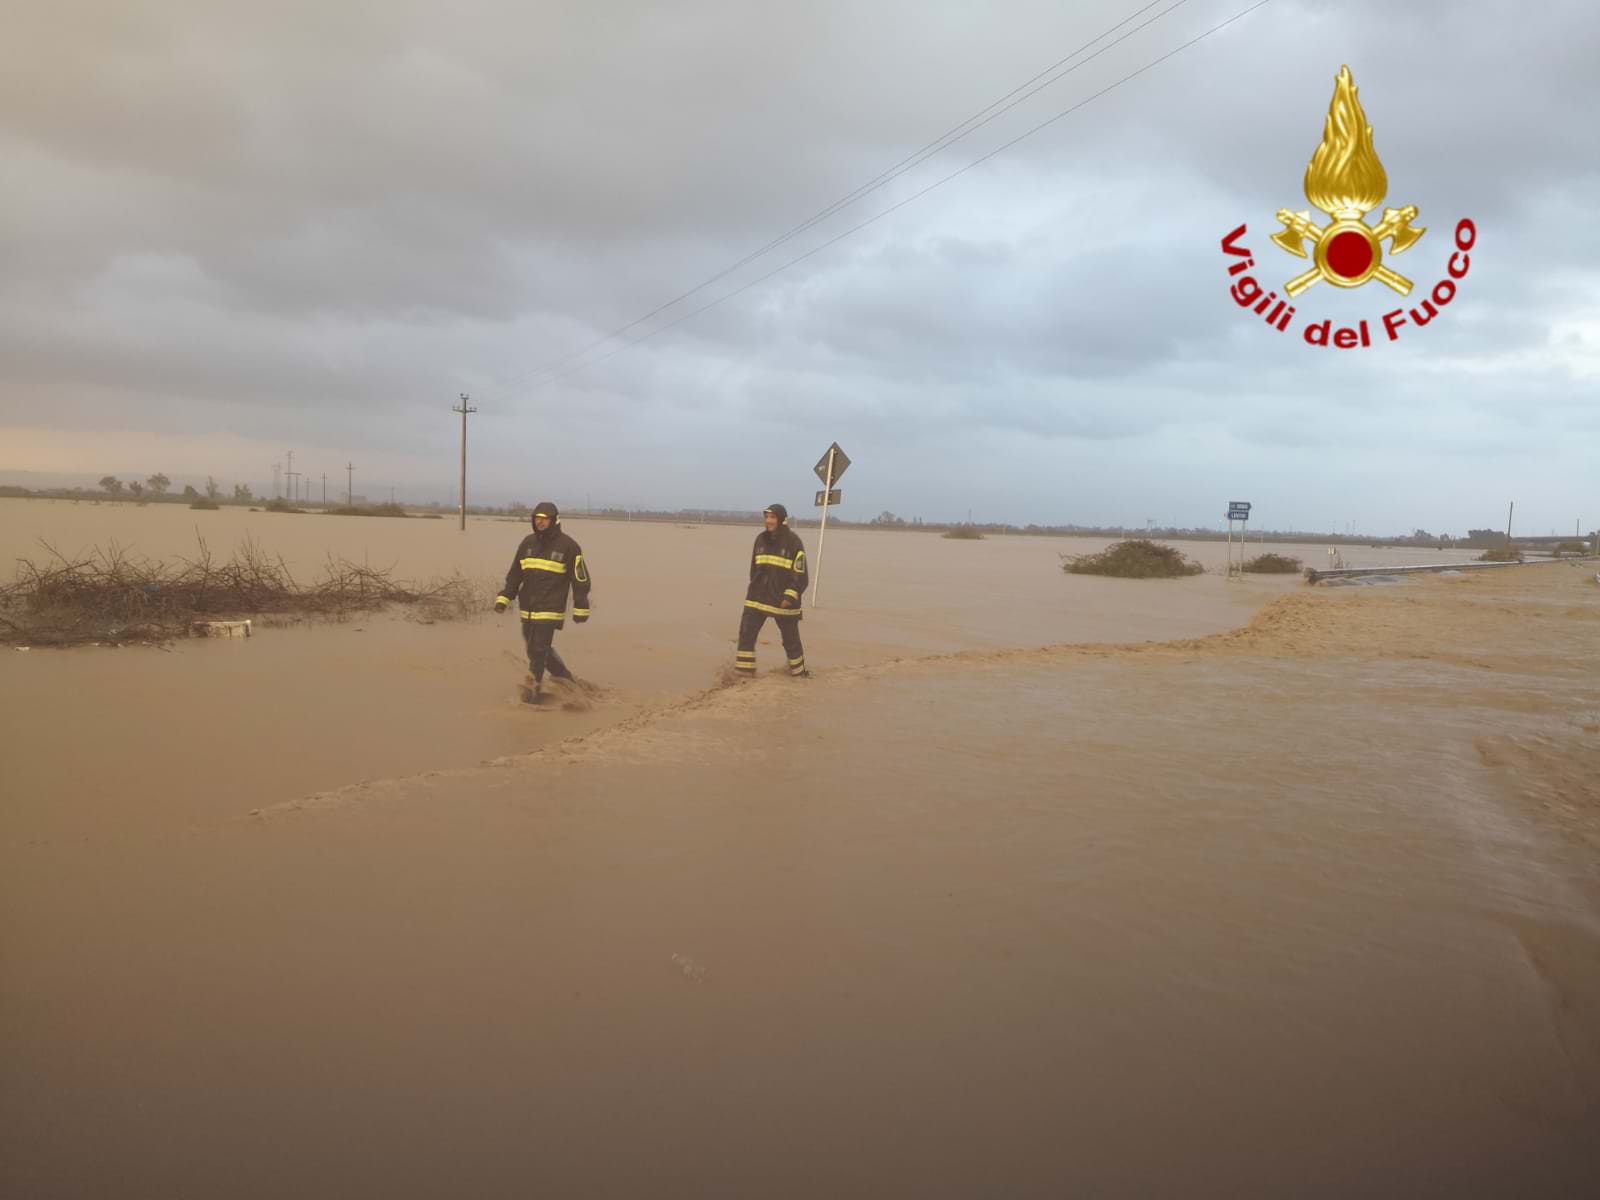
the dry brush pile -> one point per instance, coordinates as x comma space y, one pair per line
113, 596
1502, 554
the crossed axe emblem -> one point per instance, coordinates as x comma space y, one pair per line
1348, 252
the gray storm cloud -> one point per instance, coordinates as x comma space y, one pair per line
312, 226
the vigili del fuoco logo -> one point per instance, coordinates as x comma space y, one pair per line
1346, 180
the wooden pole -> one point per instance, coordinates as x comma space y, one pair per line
464, 409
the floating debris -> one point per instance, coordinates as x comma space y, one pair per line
688, 968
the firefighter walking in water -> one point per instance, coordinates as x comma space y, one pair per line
547, 564
777, 581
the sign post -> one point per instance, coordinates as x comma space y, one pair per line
1238, 510
828, 469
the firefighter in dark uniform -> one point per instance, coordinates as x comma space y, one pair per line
777, 581
548, 563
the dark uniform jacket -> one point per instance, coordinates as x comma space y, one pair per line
546, 566
777, 572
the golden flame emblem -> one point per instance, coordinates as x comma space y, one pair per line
1346, 180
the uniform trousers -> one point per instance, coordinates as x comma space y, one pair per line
750, 625
538, 636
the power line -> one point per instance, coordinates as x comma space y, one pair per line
799, 258
944, 141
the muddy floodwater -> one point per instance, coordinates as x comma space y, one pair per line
1041, 886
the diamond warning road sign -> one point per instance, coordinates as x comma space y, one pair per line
841, 460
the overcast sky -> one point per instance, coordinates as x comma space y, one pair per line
231, 230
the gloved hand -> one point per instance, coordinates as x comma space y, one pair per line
500, 604
577, 620
788, 602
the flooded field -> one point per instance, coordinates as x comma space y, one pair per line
1289, 891
217, 726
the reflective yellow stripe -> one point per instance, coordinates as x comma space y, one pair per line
800, 563
791, 592
544, 564
774, 560
502, 599
768, 608
580, 612
798, 662
578, 572
539, 616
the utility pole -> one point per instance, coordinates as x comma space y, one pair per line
464, 409
277, 472
324, 489
289, 474
1509, 511
350, 485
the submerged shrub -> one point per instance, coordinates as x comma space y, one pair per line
1273, 564
1136, 558
387, 509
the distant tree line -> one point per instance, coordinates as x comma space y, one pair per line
153, 488
157, 487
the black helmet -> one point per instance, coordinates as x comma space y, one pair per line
778, 511
546, 508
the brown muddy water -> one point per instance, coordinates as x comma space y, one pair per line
239, 724
1303, 906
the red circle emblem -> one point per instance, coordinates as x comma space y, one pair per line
1349, 255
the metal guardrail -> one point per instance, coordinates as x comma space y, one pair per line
1313, 575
